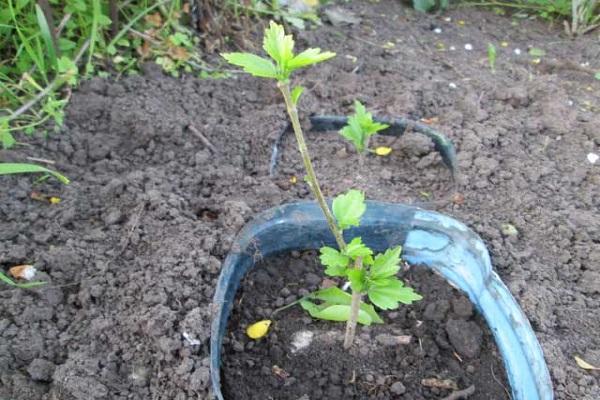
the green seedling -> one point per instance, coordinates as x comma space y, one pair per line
368, 273
361, 127
349, 259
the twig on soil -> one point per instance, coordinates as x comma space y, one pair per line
461, 394
135, 220
202, 138
41, 160
499, 382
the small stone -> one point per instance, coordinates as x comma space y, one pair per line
386, 339
312, 279
509, 230
398, 388
452, 85
462, 307
465, 336
41, 370
593, 158
468, 47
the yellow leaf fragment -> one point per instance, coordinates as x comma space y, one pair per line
585, 365
504, 44
293, 180
258, 329
54, 200
383, 151
389, 45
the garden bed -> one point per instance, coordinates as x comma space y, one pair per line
132, 252
428, 350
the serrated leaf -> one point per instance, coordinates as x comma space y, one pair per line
387, 293
334, 261
296, 92
339, 312
537, 52
335, 295
354, 134
356, 248
386, 264
309, 57
348, 208
357, 279
252, 64
278, 45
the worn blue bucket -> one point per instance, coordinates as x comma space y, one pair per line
428, 238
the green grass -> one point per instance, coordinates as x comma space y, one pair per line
39, 61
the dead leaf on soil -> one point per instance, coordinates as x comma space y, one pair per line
458, 199
280, 372
154, 19
178, 53
439, 383
585, 365
26, 272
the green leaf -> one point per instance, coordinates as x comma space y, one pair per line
68, 69
309, 57
27, 285
6, 138
348, 208
361, 127
339, 312
387, 293
334, 261
252, 64
386, 264
357, 278
356, 248
296, 92
46, 34
492, 56
335, 295
424, 5
597, 75
16, 168
537, 52
354, 134
278, 45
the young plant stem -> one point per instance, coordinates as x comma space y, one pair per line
316, 189
310, 172
354, 309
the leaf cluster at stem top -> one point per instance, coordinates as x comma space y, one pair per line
280, 47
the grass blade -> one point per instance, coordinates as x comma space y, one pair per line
18, 168
10, 282
46, 34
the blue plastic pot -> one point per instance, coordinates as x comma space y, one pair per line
428, 238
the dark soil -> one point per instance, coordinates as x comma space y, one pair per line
132, 252
449, 345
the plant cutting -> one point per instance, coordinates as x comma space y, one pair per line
360, 128
374, 276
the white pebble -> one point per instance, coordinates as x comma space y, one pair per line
468, 46
301, 340
593, 157
518, 52
448, 19
28, 273
191, 340
452, 85
437, 30
452, 48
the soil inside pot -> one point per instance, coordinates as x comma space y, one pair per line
450, 346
